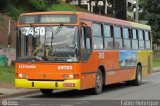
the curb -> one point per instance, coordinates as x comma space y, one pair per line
19, 94
155, 71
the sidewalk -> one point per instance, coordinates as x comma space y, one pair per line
13, 92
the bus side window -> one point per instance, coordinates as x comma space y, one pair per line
126, 38
134, 39
141, 39
108, 38
147, 40
97, 37
86, 44
117, 38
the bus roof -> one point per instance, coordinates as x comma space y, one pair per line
107, 20
113, 21
50, 12
141, 26
96, 18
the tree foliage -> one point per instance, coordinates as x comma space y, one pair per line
151, 12
14, 8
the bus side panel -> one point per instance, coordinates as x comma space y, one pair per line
108, 59
112, 64
120, 75
113, 71
88, 70
123, 66
145, 58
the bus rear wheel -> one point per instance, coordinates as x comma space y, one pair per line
46, 91
138, 78
137, 81
98, 83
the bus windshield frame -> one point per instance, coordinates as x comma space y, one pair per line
48, 44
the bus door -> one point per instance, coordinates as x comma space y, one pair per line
86, 43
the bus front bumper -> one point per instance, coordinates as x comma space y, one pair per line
66, 84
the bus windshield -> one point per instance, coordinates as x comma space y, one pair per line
51, 43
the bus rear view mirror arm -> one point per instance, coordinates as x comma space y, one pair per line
88, 32
10, 38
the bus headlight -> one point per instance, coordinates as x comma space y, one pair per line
71, 76
20, 75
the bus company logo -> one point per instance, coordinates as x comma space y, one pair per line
4, 102
27, 66
9, 103
64, 67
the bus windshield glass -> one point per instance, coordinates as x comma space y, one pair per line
51, 43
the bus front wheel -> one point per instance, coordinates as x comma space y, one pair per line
46, 91
98, 83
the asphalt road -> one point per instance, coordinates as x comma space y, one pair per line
115, 94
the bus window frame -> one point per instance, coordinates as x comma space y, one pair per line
136, 32
111, 36
141, 40
129, 37
117, 38
84, 46
101, 35
149, 39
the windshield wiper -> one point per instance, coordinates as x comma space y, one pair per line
30, 58
55, 33
53, 36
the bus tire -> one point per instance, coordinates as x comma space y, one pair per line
46, 91
138, 78
137, 81
98, 83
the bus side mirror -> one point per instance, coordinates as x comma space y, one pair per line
10, 37
87, 32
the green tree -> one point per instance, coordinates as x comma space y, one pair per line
151, 12
3, 4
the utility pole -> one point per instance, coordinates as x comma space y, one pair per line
9, 29
113, 6
105, 6
137, 11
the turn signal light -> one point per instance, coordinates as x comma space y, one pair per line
70, 76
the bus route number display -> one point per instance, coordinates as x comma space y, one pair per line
55, 19
34, 31
49, 19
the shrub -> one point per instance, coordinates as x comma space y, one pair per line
38, 5
61, 6
14, 12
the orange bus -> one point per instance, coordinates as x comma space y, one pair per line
77, 50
